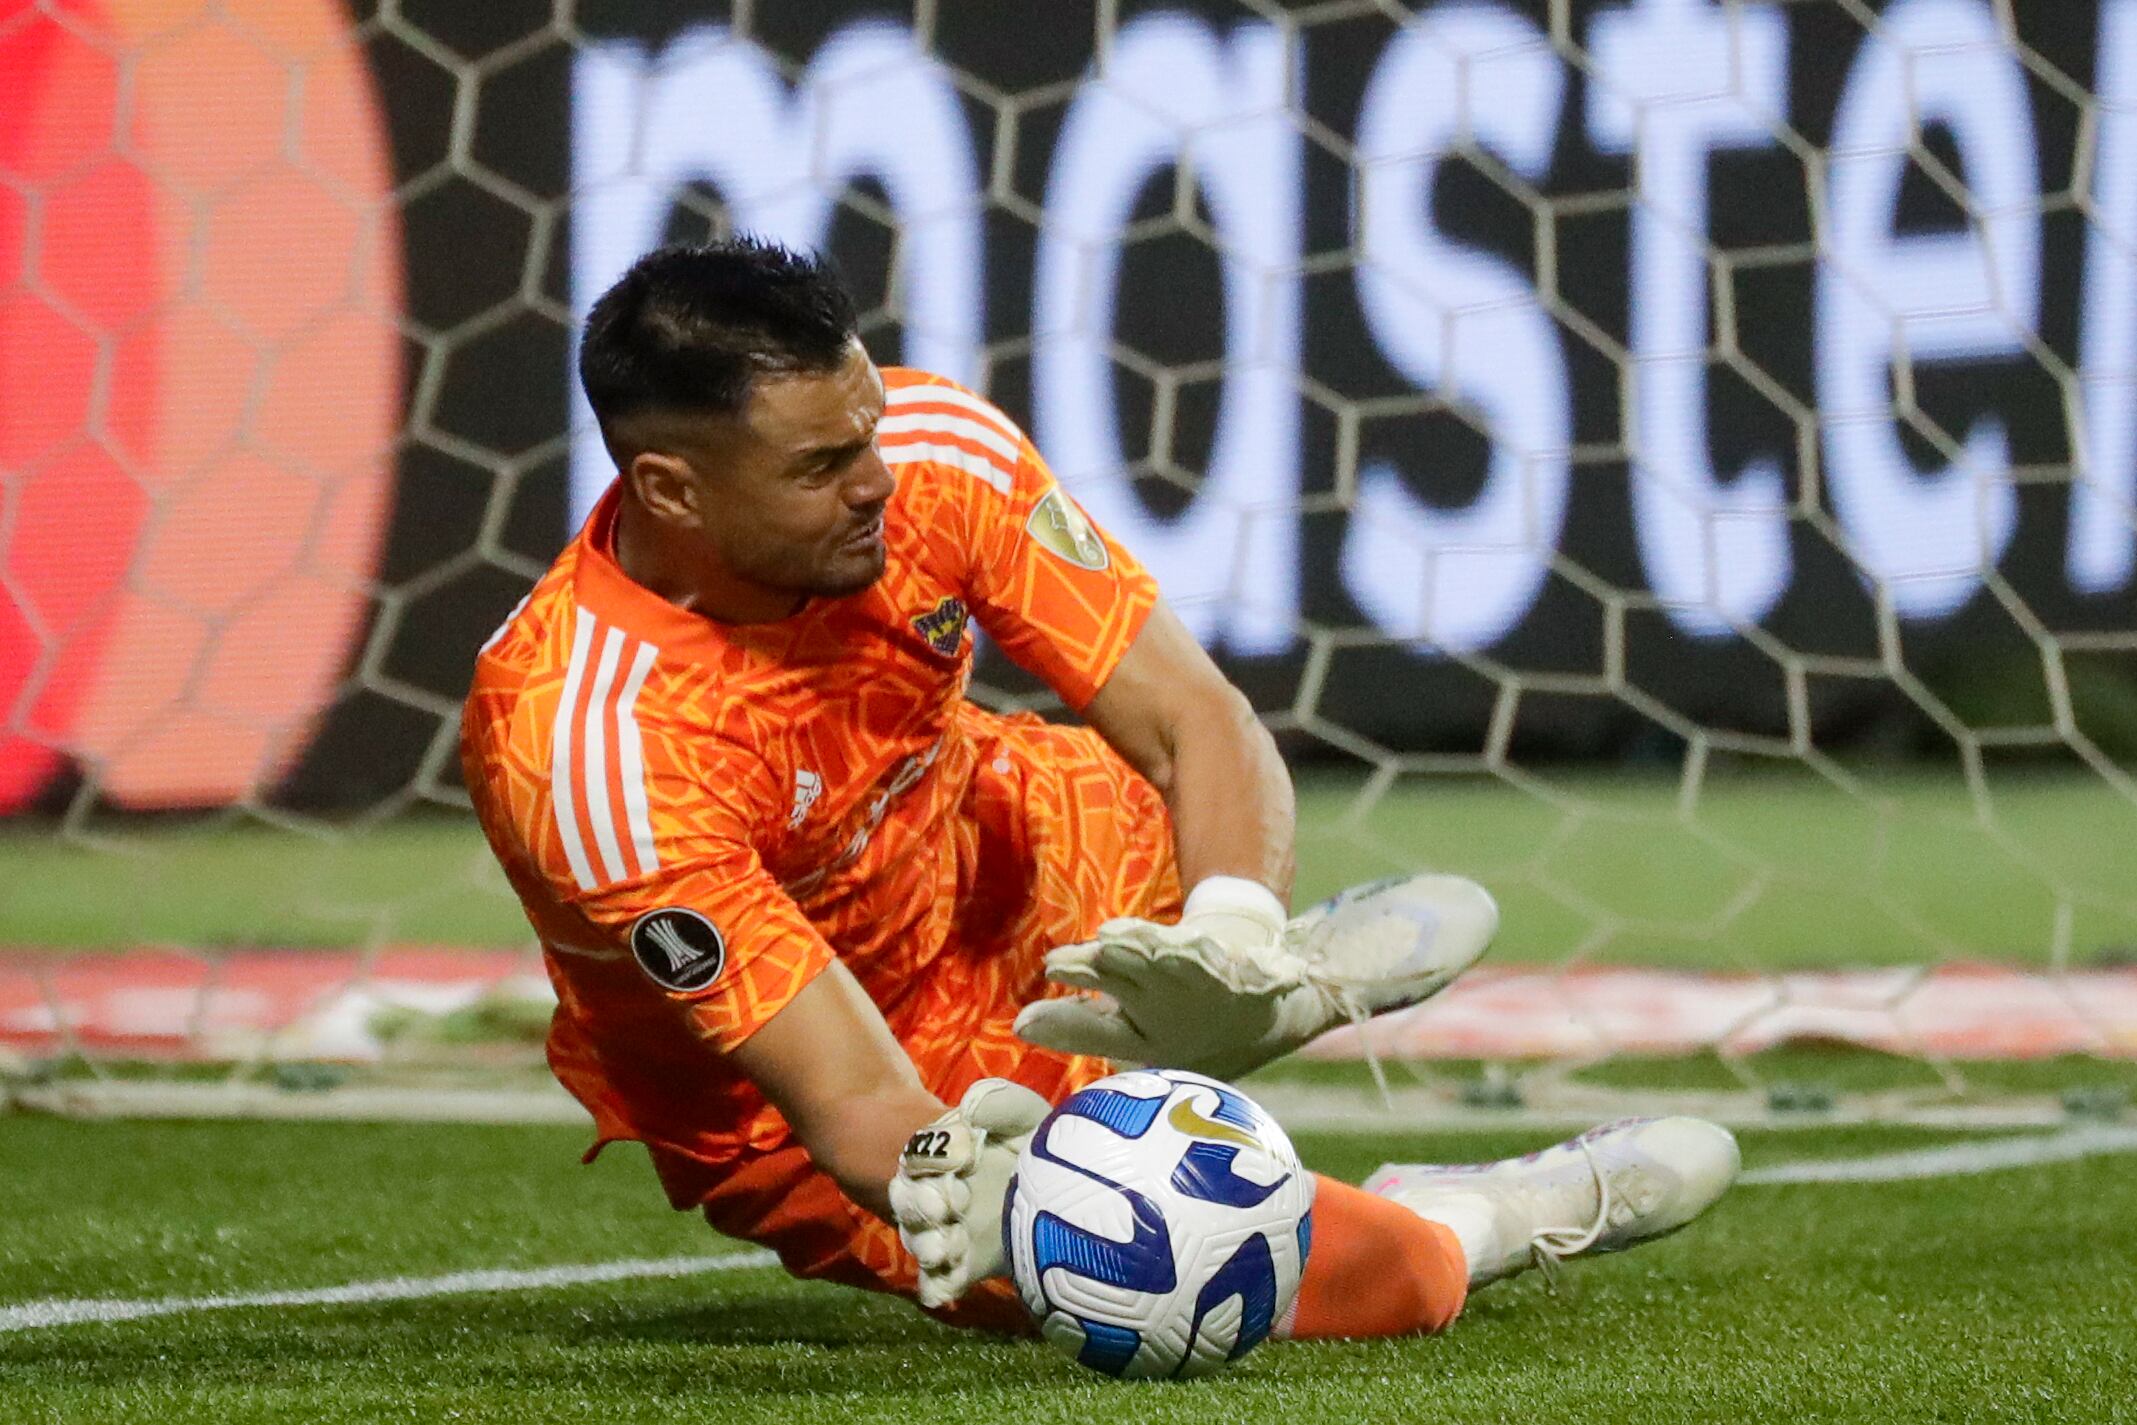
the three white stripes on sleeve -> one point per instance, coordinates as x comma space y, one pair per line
583, 741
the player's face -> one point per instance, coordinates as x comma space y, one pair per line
798, 489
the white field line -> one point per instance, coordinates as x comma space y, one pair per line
30, 1315
1952, 1160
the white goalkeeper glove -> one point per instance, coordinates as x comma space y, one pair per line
1235, 985
952, 1179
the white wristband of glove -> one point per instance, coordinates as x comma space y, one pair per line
1236, 898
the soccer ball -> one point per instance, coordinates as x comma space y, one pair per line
1157, 1224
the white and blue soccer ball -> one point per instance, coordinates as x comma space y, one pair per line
1158, 1224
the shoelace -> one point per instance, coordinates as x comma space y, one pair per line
1345, 1002
1344, 999
1361, 1019
1550, 1247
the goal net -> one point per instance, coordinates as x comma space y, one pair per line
1673, 461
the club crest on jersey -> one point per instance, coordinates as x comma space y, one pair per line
678, 949
1065, 532
943, 626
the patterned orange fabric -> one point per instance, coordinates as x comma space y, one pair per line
698, 817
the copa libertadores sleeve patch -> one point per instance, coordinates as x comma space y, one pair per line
678, 949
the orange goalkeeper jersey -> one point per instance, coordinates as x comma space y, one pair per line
698, 817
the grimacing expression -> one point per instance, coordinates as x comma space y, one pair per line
797, 490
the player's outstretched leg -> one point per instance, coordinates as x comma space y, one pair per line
1608, 1189
1376, 1269
1400, 1254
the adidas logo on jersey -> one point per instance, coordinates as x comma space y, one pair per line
808, 786
908, 776
678, 949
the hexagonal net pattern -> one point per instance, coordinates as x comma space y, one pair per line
1670, 460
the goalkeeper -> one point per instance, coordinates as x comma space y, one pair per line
800, 898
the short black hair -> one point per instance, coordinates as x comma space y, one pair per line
688, 328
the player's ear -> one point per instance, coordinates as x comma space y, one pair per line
665, 485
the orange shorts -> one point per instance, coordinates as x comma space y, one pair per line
1058, 834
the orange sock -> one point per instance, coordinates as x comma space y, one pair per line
1375, 1269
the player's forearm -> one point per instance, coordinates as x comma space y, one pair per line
845, 1085
857, 1146
1170, 712
1233, 810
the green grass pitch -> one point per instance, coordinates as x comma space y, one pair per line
2001, 1296
1767, 871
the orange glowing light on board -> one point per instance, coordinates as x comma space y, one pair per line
199, 387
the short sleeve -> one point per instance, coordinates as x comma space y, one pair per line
715, 936
1060, 596
708, 927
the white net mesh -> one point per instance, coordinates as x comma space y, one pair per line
1671, 461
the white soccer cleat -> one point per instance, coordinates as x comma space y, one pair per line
1223, 993
1612, 1187
1392, 943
